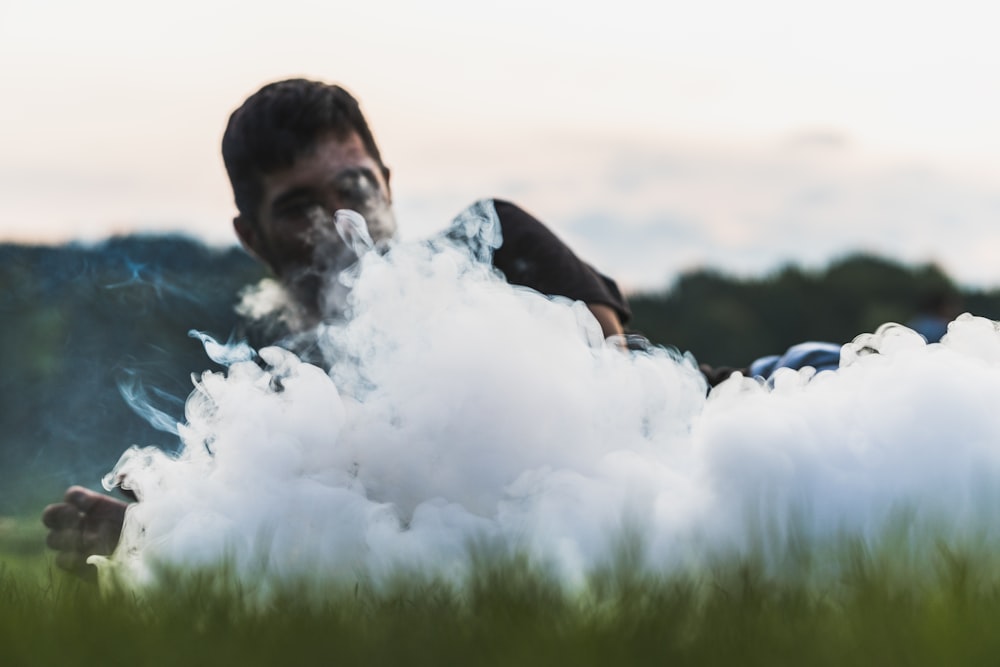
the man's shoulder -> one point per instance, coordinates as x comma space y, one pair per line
517, 224
530, 254
509, 212
507, 208
506, 227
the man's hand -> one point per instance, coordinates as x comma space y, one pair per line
85, 524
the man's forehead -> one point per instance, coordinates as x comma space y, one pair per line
335, 145
326, 157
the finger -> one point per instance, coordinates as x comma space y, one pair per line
64, 540
70, 561
77, 564
81, 498
97, 542
61, 515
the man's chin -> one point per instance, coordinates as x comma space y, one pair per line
317, 297
305, 289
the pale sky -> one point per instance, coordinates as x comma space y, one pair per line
654, 137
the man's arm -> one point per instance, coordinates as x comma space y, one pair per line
532, 256
607, 318
85, 524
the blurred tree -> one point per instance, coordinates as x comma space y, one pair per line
728, 321
76, 321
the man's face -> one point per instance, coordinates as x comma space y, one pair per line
294, 231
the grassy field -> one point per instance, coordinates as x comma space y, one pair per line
878, 612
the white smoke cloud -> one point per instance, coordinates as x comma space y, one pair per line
460, 410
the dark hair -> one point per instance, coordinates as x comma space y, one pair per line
279, 123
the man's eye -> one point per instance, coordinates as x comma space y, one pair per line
355, 185
294, 210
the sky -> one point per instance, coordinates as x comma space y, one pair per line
653, 137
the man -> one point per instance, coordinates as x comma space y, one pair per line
296, 152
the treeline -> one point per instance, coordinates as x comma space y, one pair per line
729, 321
78, 321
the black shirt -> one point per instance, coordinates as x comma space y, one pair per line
532, 256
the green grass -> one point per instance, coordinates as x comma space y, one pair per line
881, 609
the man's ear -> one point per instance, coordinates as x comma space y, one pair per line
386, 173
249, 236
